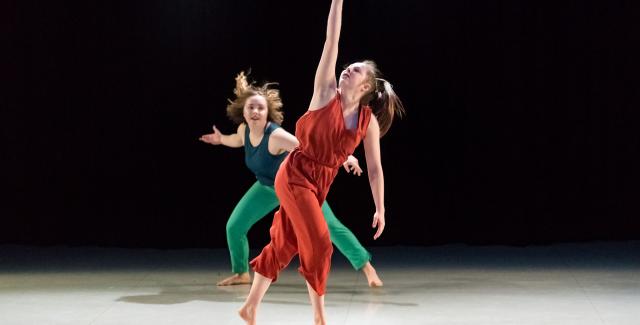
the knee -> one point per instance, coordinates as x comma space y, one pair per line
335, 227
325, 247
235, 229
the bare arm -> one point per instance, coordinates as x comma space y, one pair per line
234, 140
281, 141
325, 85
374, 170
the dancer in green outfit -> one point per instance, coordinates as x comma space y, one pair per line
257, 111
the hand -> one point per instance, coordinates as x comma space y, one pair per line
378, 220
351, 165
214, 138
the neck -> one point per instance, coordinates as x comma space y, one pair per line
257, 129
350, 100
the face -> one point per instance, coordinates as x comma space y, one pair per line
255, 110
355, 76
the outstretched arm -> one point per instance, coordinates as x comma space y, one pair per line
325, 85
374, 170
234, 140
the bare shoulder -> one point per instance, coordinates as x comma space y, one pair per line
373, 129
240, 132
280, 133
281, 140
322, 97
373, 123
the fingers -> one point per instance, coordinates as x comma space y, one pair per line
378, 221
349, 167
379, 232
208, 138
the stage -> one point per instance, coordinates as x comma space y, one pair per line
580, 283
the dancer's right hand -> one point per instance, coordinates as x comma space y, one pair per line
378, 221
214, 138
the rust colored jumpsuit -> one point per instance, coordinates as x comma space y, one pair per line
301, 184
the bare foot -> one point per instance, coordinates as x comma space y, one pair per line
319, 320
248, 314
242, 278
372, 276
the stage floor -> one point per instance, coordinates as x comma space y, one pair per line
582, 284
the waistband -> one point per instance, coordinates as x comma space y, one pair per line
297, 151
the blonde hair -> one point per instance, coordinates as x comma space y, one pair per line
382, 99
245, 89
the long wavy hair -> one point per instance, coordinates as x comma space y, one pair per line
245, 89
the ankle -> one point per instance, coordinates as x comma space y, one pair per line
249, 307
319, 319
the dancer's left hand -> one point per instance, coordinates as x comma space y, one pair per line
378, 221
214, 138
351, 165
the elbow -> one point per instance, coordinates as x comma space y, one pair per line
374, 172
293, 144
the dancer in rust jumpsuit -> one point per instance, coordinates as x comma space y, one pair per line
257, 110
339, 117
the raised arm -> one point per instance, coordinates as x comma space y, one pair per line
234, 140
324, 87
374, 170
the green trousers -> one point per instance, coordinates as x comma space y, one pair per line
257, 203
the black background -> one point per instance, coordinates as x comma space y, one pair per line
522, 124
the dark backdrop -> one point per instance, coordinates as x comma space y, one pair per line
522, 124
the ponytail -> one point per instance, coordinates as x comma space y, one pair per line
383, 100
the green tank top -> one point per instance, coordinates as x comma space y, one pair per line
259, 160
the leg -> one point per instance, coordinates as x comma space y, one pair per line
277, 254
254, 205
313, 239
314, 246
317, 302
298, 227
350, 247
274, 257
345, 241
372, 277
259, 287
